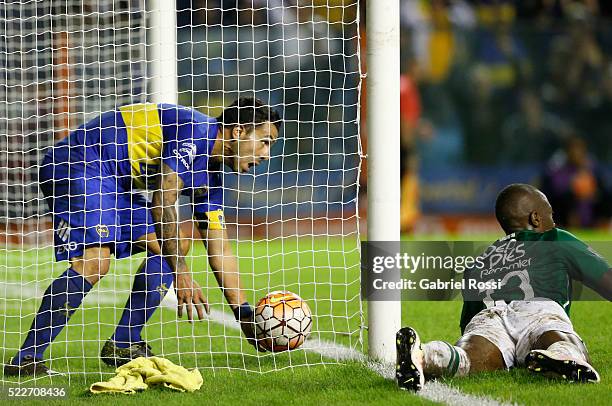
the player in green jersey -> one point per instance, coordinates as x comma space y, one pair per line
525, 320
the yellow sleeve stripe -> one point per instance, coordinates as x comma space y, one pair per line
215, 220
144, 137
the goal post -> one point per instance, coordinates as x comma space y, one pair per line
383, 130
161, 38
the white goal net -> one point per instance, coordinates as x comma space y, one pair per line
293, 222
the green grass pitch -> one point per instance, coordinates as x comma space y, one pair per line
325, 272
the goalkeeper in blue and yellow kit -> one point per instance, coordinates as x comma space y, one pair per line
91, 181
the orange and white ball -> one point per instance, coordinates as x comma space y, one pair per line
282, 321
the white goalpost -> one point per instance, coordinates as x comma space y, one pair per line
293, 222
383, 127
162, 44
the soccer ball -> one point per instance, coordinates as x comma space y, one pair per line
282, 321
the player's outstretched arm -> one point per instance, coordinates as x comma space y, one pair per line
590, 267
604, 286
224, 265
164, 214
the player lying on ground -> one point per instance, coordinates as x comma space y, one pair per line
90, 181
525, 321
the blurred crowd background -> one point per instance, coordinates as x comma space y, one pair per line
494, 92
67, 61
301, 56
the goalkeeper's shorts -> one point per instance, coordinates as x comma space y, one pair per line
514, 328
91, 208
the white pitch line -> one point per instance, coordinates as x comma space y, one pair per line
434, 391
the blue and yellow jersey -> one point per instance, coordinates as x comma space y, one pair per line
133, 142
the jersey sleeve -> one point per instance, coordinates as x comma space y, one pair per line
185, 148
184, 158
586, 264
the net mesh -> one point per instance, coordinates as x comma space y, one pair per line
293, 222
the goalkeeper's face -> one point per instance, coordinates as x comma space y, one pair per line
252, 145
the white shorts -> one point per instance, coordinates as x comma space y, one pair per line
515, 327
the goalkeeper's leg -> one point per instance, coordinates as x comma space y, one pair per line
59, 302
416, 362
562, 355
471, 354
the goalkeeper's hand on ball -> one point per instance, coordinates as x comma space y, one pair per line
246, 317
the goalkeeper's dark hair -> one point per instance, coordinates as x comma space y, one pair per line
249, 112
510, 207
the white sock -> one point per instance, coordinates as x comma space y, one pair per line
567, 350
444, 359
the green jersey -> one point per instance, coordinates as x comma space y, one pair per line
528, 265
